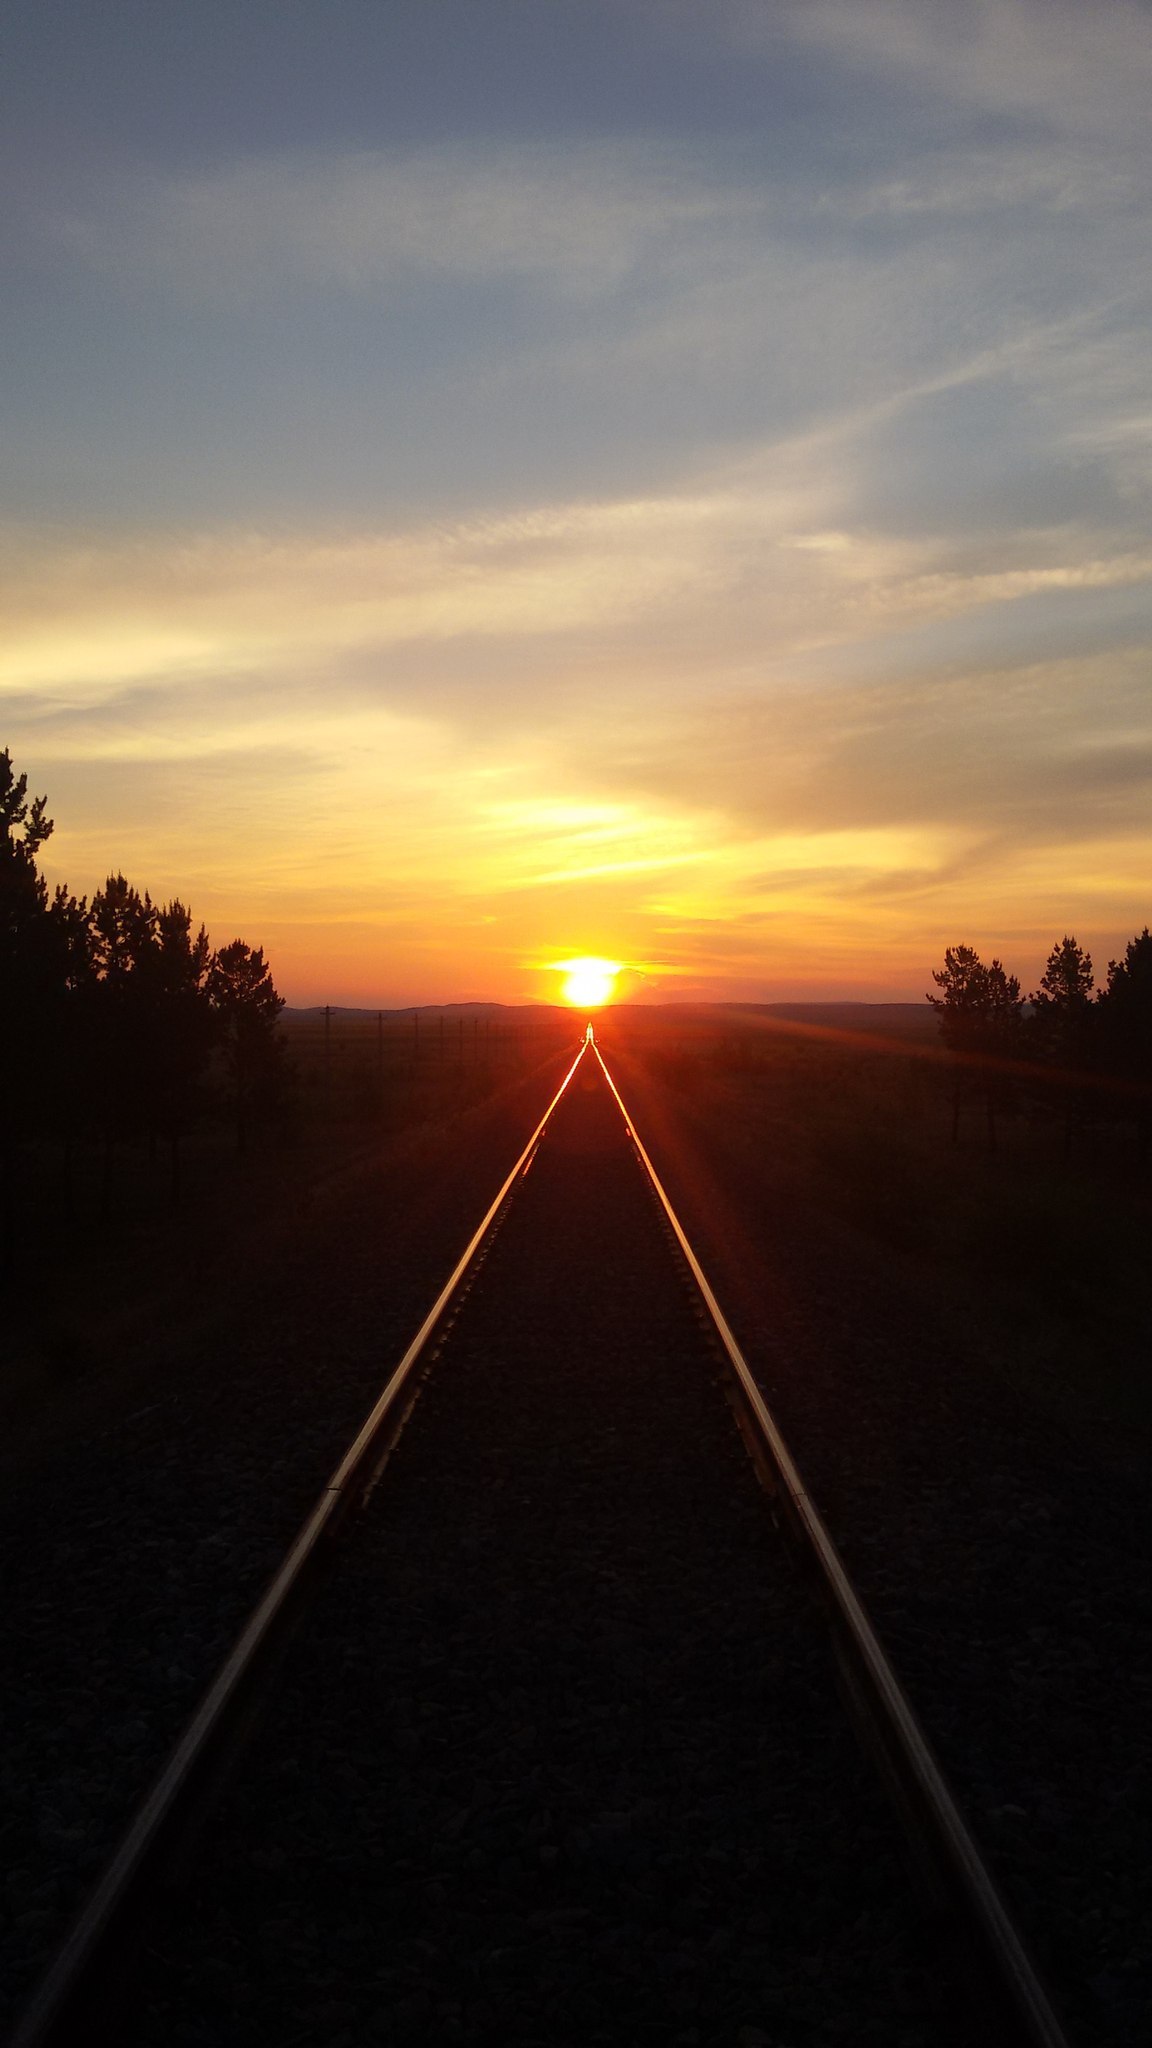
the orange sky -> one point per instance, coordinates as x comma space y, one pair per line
689, 505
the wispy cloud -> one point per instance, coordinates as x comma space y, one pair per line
775, 555
1070, 68
1031, 177
684, 540
578, 218
695, 722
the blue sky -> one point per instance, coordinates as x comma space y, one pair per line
486, 483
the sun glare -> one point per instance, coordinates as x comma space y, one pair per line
588, 983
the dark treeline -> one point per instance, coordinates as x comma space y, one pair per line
118, 1019
1084, 1053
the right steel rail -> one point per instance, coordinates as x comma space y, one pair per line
940, 1832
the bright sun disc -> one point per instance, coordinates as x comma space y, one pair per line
588, 983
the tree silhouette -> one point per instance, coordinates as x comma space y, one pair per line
979, 1014
124, 928
23, 911
1060, 1027
246, 1003
43, 965
1126, 1016
23, 890
181, 1026
109, 1016
27, 942
154, 1023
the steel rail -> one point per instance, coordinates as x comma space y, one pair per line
60, 2009
952, 1851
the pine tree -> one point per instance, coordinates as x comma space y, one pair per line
1126, 1018
1060, 1026
246, 1003
125, 938
44, 961
182, 1023
979, 1013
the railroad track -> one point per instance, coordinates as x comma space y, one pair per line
548, 1750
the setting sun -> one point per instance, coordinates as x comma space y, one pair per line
588, 983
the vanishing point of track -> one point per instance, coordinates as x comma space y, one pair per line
95, 1968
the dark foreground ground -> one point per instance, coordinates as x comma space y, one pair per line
560, 1759
957, 1348
176, 1393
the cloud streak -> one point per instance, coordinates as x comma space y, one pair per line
1071, 70
718, 543
578, 219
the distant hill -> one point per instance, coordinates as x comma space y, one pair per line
885, 1020
413, 1009
881, 1020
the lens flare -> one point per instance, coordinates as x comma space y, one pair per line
588, 983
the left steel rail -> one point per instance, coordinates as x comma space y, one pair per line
61, 2009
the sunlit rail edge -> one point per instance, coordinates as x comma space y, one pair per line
60, 2009
947, 1840
57, 2012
